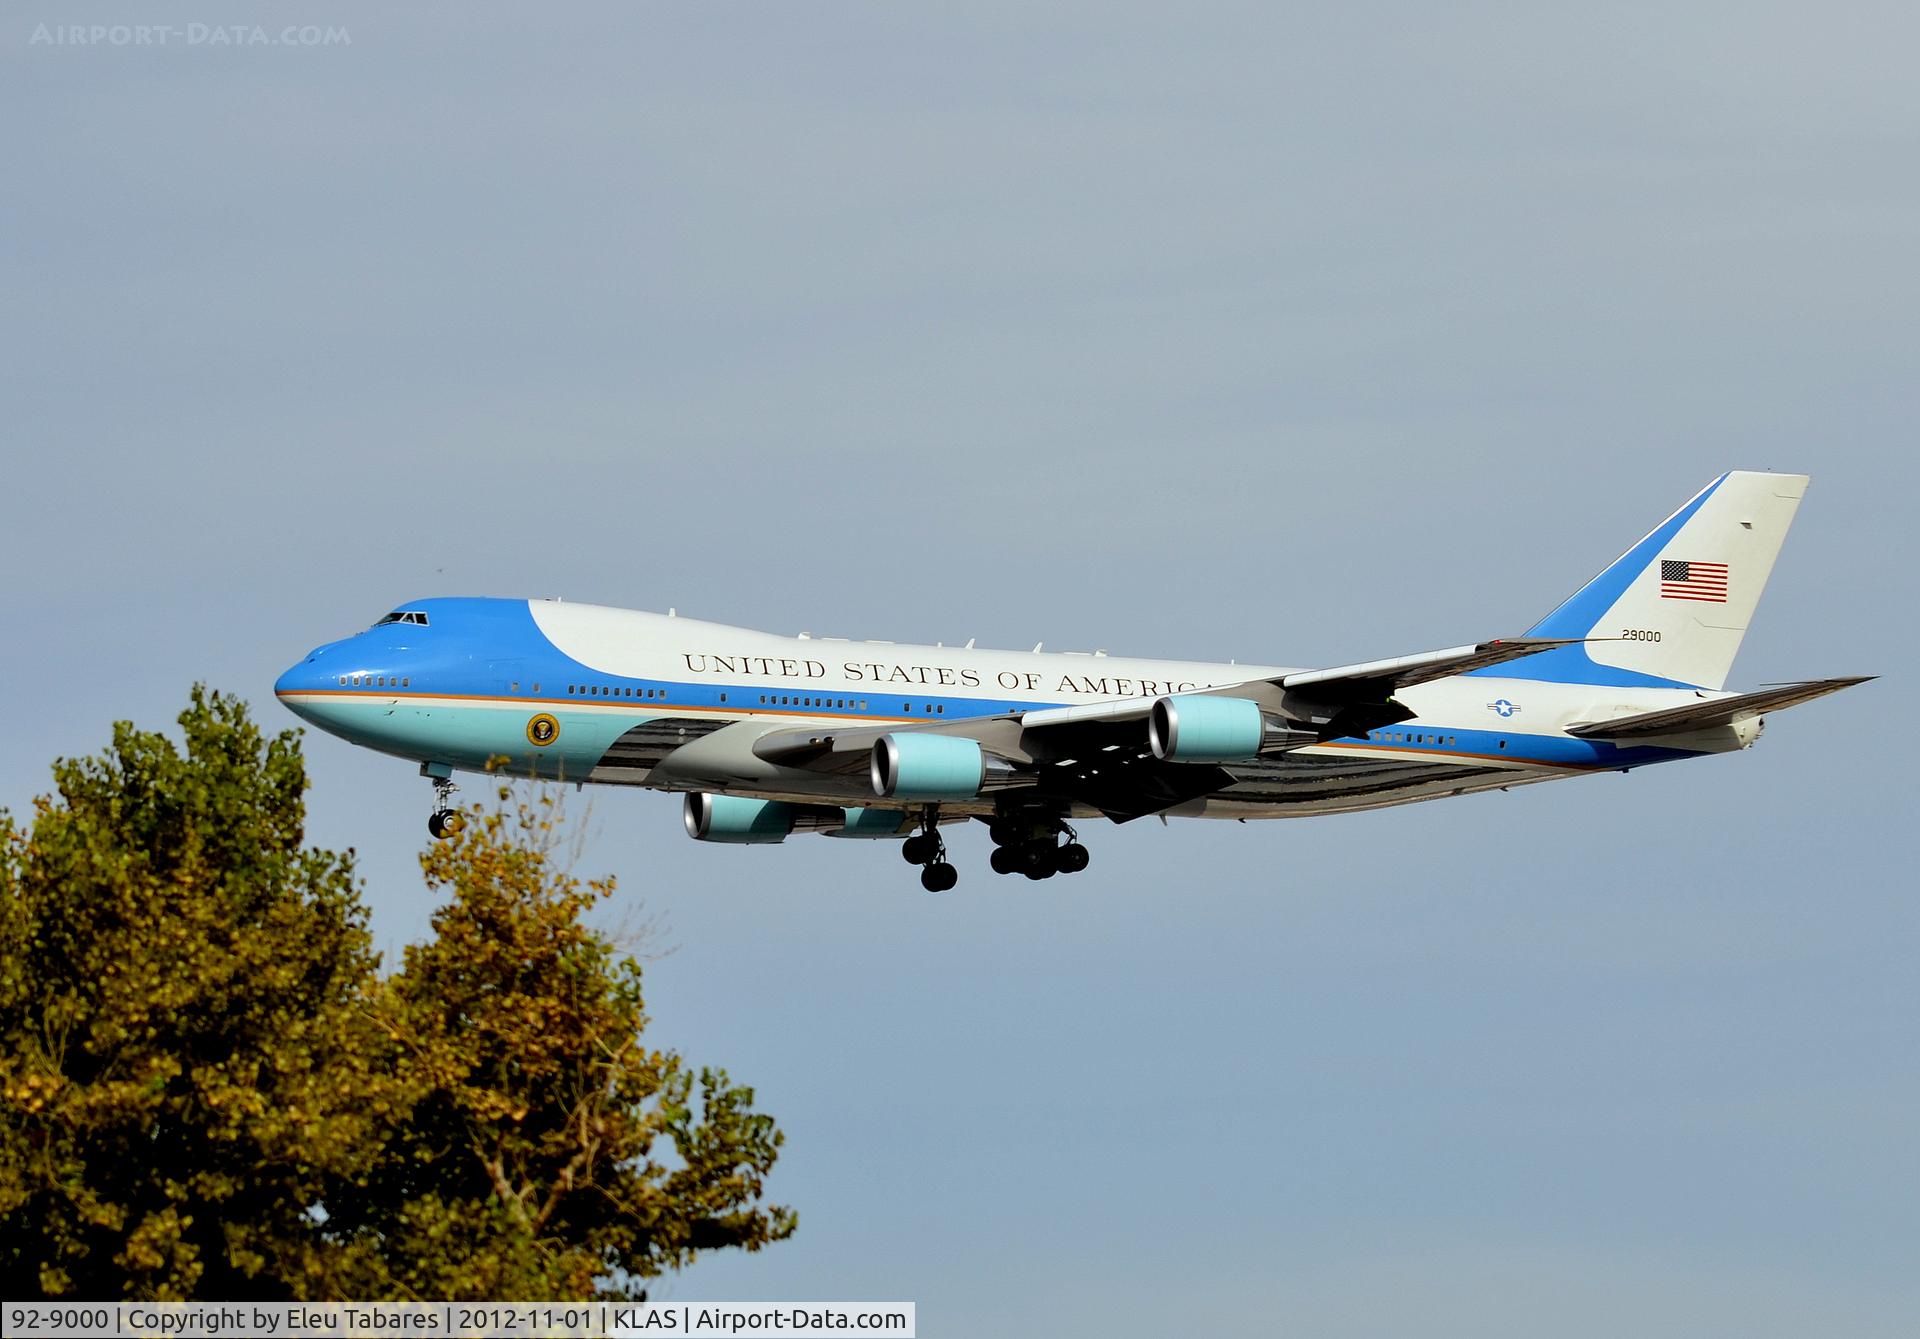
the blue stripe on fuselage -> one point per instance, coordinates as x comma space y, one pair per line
1471, 745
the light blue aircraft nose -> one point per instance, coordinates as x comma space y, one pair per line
308, 676
301, 678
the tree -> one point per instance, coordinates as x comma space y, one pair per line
210, 1091
528, 1166
181, 1057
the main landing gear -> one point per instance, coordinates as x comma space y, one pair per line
1024, 842
928, 850
445, 820
1030, 845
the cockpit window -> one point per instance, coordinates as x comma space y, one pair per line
403, 616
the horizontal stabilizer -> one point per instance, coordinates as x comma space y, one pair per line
1711, 714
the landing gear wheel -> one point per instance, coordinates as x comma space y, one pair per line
445, 820
927, 850
1027, 841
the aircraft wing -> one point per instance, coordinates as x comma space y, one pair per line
1102, 761
1097, 754
1713, 712
815, 746
1385, 677
825, 747
1347, 701
1368, 680
1374, 680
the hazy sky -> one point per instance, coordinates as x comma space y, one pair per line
1303, 335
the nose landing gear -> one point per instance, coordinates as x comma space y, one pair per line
928, 850
445, 820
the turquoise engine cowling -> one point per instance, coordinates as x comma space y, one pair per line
873, 824
927, 767
1191, 727
733, 818
749, 822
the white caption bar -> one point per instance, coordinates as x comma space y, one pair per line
477, 1320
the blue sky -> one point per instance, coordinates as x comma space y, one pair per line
1286, 334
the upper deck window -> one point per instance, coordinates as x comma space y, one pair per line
403, 616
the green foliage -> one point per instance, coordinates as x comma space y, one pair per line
538, 1109
209, 1090
179, 1055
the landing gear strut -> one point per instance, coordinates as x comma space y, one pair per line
1028, 844
928, 850
445, 820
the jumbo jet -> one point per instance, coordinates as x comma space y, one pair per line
767, 736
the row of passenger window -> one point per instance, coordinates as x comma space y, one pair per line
841, 703
766, 699
1404, 737
603, 690
374, 681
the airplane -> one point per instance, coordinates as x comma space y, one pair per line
768, 736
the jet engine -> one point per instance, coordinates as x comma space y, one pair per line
873, 824
747, 822
1193, 727
939, 767
743, 821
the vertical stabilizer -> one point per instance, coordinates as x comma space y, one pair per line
1673, 608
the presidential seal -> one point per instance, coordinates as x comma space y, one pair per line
542, 730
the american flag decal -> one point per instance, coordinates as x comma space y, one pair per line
1693, 581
